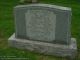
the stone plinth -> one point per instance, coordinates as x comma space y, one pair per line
45, 48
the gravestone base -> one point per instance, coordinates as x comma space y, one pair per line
45, 48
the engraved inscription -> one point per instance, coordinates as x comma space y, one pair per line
40, 25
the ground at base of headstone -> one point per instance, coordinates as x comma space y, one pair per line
45, 48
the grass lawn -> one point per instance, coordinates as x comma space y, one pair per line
7, 29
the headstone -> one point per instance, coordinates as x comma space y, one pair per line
43, 23
28, 1
43, 28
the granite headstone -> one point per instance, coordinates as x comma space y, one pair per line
45, 28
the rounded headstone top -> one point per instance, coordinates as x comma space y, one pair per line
44, 5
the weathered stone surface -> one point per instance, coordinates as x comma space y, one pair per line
45, 48
43, 28
43, 22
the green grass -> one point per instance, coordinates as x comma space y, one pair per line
7, 28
